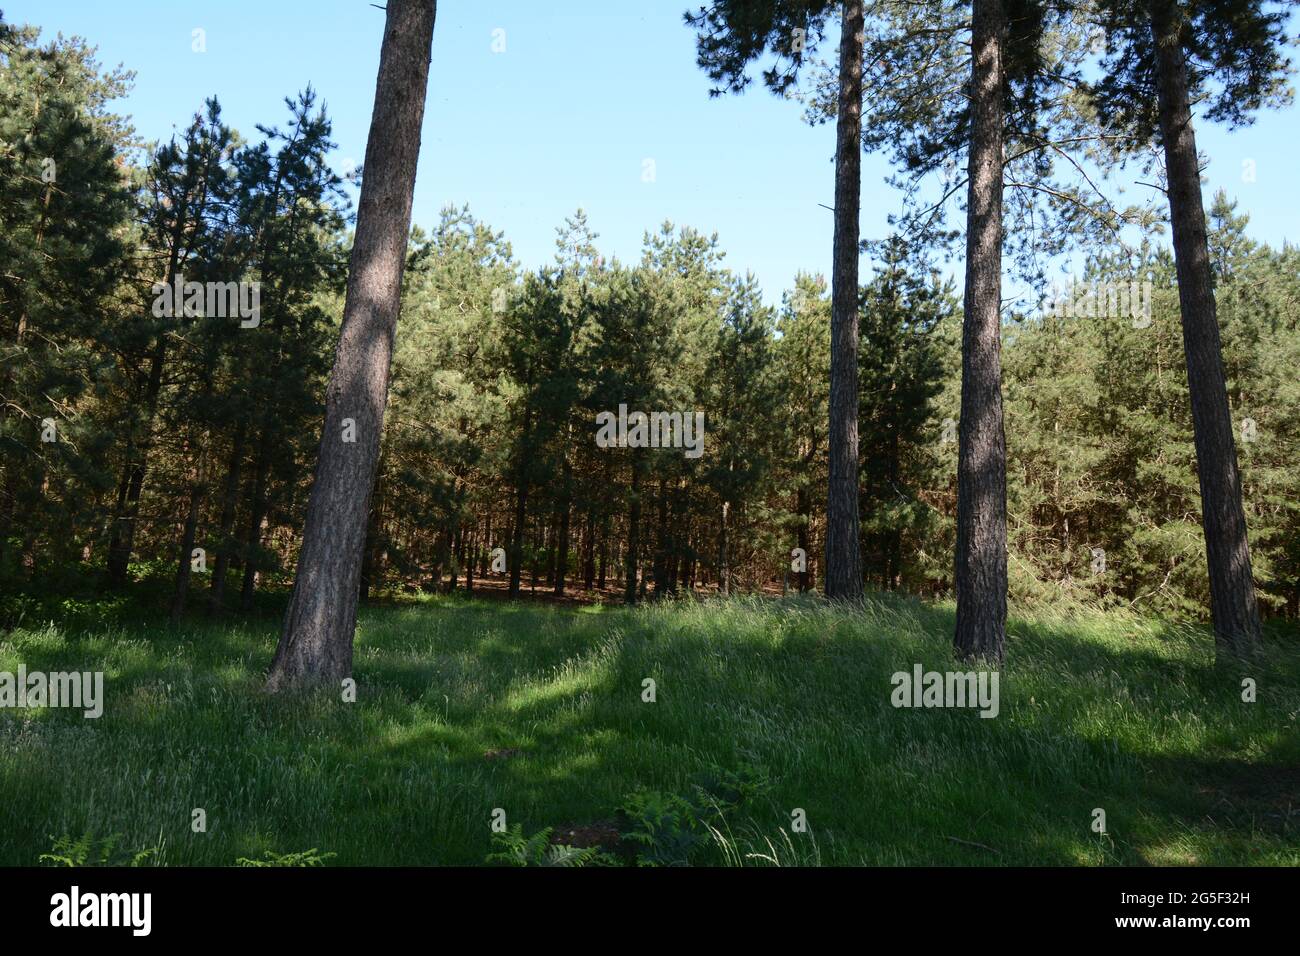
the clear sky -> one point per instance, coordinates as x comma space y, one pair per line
585, 92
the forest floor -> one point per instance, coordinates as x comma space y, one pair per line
766, 713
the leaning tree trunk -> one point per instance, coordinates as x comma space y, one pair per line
316, 642
980, 570
843, 547
1232, 591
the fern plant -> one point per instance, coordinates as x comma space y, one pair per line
666, 827
514, 848
301, 858
89, 850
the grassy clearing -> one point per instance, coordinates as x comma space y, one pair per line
1117, 712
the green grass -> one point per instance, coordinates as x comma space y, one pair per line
1110, 711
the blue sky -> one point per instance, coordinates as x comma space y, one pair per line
585, 92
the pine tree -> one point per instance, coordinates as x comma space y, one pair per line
1162, 56
731, 35
316, 642
65, 203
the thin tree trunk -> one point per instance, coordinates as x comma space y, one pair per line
316, 641
562, 543
803, 509
521, 513
1233, 605
122, 542
633, 536
256, 519
539, 544
184, 565
604, 552
724, 566
471, 542
661, 542
229, 510
843, 549
589, 550
370, 552
980, 568
674, 536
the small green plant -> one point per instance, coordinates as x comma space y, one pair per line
301, 858
668, 829
513, 848
89, 850
720, 791
665, 827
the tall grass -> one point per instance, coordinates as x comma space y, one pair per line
1113, 712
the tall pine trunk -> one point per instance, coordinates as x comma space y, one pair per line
1227, 552
319, 624
980, 570
843, 549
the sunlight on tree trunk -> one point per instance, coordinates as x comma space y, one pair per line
316, 641
843, 544
980, 574
1232, 591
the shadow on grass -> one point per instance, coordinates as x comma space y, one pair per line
468, 706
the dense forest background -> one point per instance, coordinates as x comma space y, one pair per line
179, 450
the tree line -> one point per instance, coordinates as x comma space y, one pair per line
853, 435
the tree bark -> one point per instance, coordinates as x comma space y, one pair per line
843, 549
980, 572
604, 552
562, 542
198, 485
316, 641
256, 518
521, 511
589, 550
633, 536
471, 542
122, 542
1233, 605
229, 507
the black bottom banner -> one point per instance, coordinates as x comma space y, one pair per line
339, 904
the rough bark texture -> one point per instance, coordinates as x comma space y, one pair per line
316, 642
843, 546
980, 572
1232, 590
